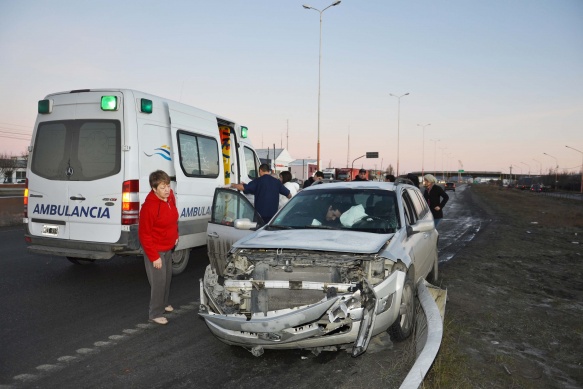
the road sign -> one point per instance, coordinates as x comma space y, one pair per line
373, 154
461, 171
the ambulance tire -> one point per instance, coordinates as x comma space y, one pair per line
81, 261
179, 261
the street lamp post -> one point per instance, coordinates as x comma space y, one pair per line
579, 151
398, 125
540, 167
442, 168
423, 152
434, 154
521, 175
320, 72
556, 171
528, 167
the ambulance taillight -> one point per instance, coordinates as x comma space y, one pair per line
26, 199
130, 206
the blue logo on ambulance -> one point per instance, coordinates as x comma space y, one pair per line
163, 151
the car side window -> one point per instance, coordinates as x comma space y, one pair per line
419, 203
229, 205
409, 208
251, 163
199, 155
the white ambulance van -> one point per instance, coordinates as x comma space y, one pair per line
91, 155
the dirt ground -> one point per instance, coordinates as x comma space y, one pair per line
514, 316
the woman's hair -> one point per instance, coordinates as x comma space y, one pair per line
285, 176
430, 178
158, 177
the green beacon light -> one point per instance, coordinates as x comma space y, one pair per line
45, 106
145, 106
109, 103
244, 132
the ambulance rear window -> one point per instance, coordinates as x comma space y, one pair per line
77, 150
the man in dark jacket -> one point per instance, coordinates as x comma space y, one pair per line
318, 176
266, 189
361, 175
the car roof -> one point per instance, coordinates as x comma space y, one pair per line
358, 185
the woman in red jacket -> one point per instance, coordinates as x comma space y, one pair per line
158, 231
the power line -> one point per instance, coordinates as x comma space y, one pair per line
14, 137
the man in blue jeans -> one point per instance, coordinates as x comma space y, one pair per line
266, 189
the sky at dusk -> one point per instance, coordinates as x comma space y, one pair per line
500, 82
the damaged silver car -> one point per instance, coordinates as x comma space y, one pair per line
338, 264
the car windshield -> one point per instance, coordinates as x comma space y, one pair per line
367, 210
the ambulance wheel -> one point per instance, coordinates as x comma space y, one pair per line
179, 261
80, 261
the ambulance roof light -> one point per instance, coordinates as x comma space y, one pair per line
109, 103
45, 106
244, 132
146, 106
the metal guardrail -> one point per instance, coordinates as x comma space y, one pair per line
428, 333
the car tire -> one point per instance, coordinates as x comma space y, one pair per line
80, 261
402, 328
179, 261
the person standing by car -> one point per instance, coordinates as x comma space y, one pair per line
435, 196
158, 233
318, 176
361, 175
266, 189
293, 187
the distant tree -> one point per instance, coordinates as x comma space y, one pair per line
8, 164
390, 170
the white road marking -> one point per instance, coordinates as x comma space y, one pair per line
85, 351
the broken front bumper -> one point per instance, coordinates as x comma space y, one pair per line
350, 315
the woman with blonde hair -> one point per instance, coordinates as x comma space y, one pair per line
435, 196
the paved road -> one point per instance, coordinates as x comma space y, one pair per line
66, 325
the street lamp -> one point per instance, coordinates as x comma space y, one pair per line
579, 151
442, 168
521, 175
320, 72
398, 125
434, 154
540, 167
423, 152
556, 171
528, 167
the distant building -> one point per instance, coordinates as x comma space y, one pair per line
302, 169
279, 159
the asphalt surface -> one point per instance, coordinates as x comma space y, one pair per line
66, 325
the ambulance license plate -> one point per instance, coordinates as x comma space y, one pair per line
50, 230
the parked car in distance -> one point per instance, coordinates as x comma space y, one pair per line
449, 186
338, 264
539, 188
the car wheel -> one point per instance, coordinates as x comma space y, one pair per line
402, 328
179, 261
81, 261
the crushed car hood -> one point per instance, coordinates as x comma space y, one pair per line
313, 239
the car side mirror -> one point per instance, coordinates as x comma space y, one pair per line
420, 226
244, 224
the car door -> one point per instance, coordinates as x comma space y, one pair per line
228, 206
414, 243
426, 245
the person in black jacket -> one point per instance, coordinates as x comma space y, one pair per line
435, 196
361, 176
